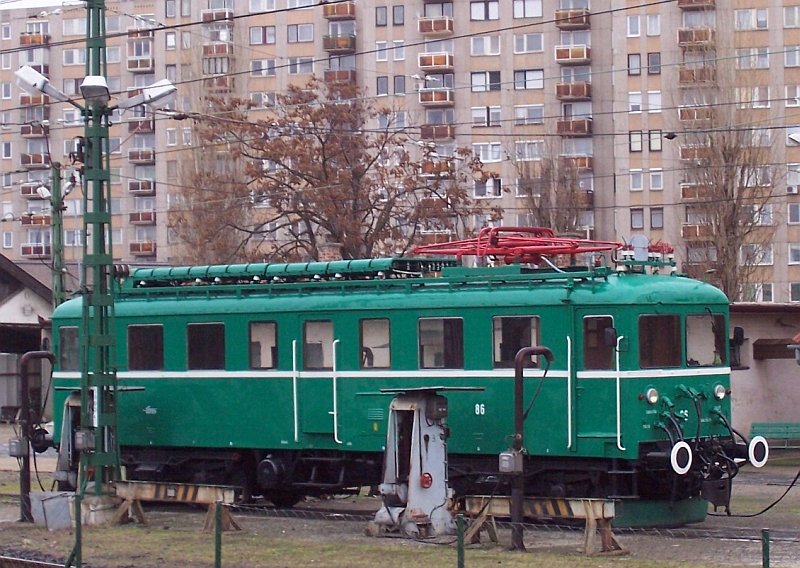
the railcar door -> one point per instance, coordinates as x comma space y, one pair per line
315, 365
595, 382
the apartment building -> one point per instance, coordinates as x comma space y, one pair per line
610, 91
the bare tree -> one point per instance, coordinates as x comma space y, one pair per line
319, 172
728, 174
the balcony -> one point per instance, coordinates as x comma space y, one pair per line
36, 220
33, 100
695, 192
439, 26
573, 54
437, 132
142, 187
340, 76
141, 64
696, 4
28, 190
339, 43
696, 153
217, 49
35, 250
436, 62
221, 84
35, 161
142, 156
694, 232
437, 97
340, 11
441, 168
584, 199
208, 16
574, 127
695, 114
142, 218
696, 76
579, 163
28, 39
572, 19
142, 248
141, 125
697, 38
33, 130
574, 91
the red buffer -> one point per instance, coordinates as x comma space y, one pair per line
517, 244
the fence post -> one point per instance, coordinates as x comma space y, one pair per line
765, 548
218, 534
460, 539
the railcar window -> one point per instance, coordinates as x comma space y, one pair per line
318, 345
145, 347
69, 355
659, 341
375, 352
705, 340
597, 352
206, 345
512, 334
263, 345
441, 343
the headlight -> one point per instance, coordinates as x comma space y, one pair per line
719, 392
651, 395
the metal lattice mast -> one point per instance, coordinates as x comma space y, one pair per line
98, 365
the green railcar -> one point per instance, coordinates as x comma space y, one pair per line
269, 376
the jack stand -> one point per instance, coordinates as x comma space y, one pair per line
417, 500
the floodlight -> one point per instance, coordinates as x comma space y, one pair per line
94, 89
34, 83
43, 192
160, 91
795, 137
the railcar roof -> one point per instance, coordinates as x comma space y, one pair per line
391, 283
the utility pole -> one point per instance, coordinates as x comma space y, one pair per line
57, 211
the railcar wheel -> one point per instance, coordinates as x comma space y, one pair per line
283, 499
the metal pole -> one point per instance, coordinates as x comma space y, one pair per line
57, 211
521, 359
765, 548
27, 417
460, 539
218, 534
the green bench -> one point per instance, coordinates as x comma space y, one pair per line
779, 434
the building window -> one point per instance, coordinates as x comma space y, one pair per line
794, 253
794, 214
528, 114
262, 35
527, 8
634, 27
381, 51
653, 24
528, 43
486, 116
656, 179
399, 84
382, 85
655, 140
791, 17
792, 56
485, 45
398, 15
484, 10
529, 79
528, 150
300, 65
255, 6
756, 255
300, 33
750, 19
653, 101
399, 50
635, 141
492, 187
171, 41
635, 101
488, 151
654, 63
262, 68
636, 180
381, 16
485, 81
634, 64
794, 292
656, 217
8, 239
637, 218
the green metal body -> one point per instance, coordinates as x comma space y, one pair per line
577, 413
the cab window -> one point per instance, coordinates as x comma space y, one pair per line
69, 355
145, 347
318, 345
206, 345
263, 345
705, 340
510, 335
441, 343
659, 341
375, 351
598, 352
